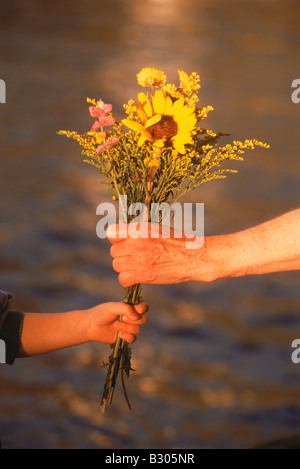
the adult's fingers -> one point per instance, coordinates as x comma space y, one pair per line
122, 249
129, 278
121, 264
117, 233
135, 230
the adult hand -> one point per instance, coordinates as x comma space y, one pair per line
155, 260
273, 246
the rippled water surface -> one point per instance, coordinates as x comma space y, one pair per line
213, 365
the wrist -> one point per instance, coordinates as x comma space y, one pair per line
88, 325
81, 325
216, 260
231, 255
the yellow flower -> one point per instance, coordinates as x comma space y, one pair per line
151, 77
164, 123
172, 91
189, 83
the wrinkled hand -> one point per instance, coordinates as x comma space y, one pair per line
103, 322
149, 260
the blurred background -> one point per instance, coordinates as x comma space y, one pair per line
213, 364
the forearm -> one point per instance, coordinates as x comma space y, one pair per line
44, 333
273, 246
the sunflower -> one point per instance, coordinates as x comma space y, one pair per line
151, 77
164, 123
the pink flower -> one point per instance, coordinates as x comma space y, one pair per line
102, 122
96, 111
107, 145
106, 120
105, 107
101, 110
95, 126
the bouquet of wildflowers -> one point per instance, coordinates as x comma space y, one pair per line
156, 155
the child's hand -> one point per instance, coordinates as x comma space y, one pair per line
103, 324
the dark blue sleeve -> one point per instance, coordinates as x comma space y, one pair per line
11, 323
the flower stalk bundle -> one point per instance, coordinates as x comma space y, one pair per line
155, 155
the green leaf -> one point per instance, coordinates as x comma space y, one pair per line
112, 191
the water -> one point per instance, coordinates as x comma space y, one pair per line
213, 365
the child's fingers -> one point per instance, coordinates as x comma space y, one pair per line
142, 308
129, 313
130, 338
131, 328
136, 311
135, 318
131, 321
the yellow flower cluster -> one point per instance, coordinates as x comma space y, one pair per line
189, 83
216, 155
173, 91
202, 112
162, 122
165, 137
167, 118
151, 77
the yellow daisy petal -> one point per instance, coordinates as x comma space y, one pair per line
159, 102
177, 106
159, 143
141, 113
146, 106
189, 122
143, 138
187, 111
153, 120
142, 97
169, 105
183, 138
179, 146
133, 125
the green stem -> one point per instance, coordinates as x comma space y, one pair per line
119, 355
115, 367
